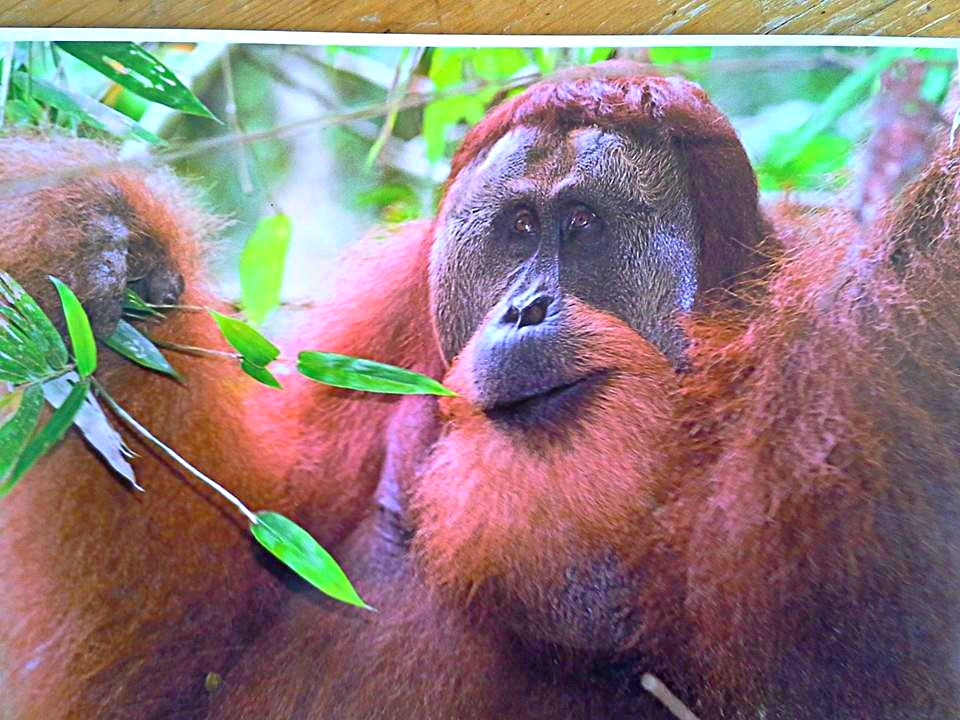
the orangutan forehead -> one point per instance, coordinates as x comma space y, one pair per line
535, 160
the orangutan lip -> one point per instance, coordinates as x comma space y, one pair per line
554, 405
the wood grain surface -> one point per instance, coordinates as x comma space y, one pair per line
940, 18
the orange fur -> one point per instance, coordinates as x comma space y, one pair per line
142, 595
542, 513
772, 530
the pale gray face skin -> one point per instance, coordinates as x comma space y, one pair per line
595, 214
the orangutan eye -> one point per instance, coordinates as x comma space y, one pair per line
525, 223
582, 218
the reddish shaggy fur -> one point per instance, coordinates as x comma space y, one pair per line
789, 503
130, 611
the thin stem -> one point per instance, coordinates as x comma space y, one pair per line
956, 115
246, 184
133, 317
5, 80
193, 350
173, 455
398, 88
653, 685
186, 308
146, 158
47, 378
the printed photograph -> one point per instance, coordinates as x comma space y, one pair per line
368, 380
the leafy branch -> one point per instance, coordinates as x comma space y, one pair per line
36, 365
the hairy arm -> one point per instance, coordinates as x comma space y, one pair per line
114, 603
828, 548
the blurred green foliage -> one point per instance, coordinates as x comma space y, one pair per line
803, 113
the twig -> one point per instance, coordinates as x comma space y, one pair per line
186, 308
47, 378
193, 350
398, 89
671, 702
281, 76
956, 115
230, 108
400, 155
143, 158
172, 454
5, 79
62, 79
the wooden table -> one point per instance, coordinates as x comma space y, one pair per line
856, 17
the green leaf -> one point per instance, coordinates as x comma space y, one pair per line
294, 547
78, 327
24, 111
446, 70
19, 413
130, 104
132, 67
93, 423
256, 351
446, 67
395, 202
498, 63
135, 346
824, 156
133, 303
936, 83
49, 435
19, 348
34, 322
670, 55
353, 373
20, 360
438, 117
253, 346
260, 374
261, 266
589, 56
30, 346
600, 54
545, 58
850, 91
386, 194
406, 64
83, 108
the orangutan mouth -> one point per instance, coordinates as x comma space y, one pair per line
551, 407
